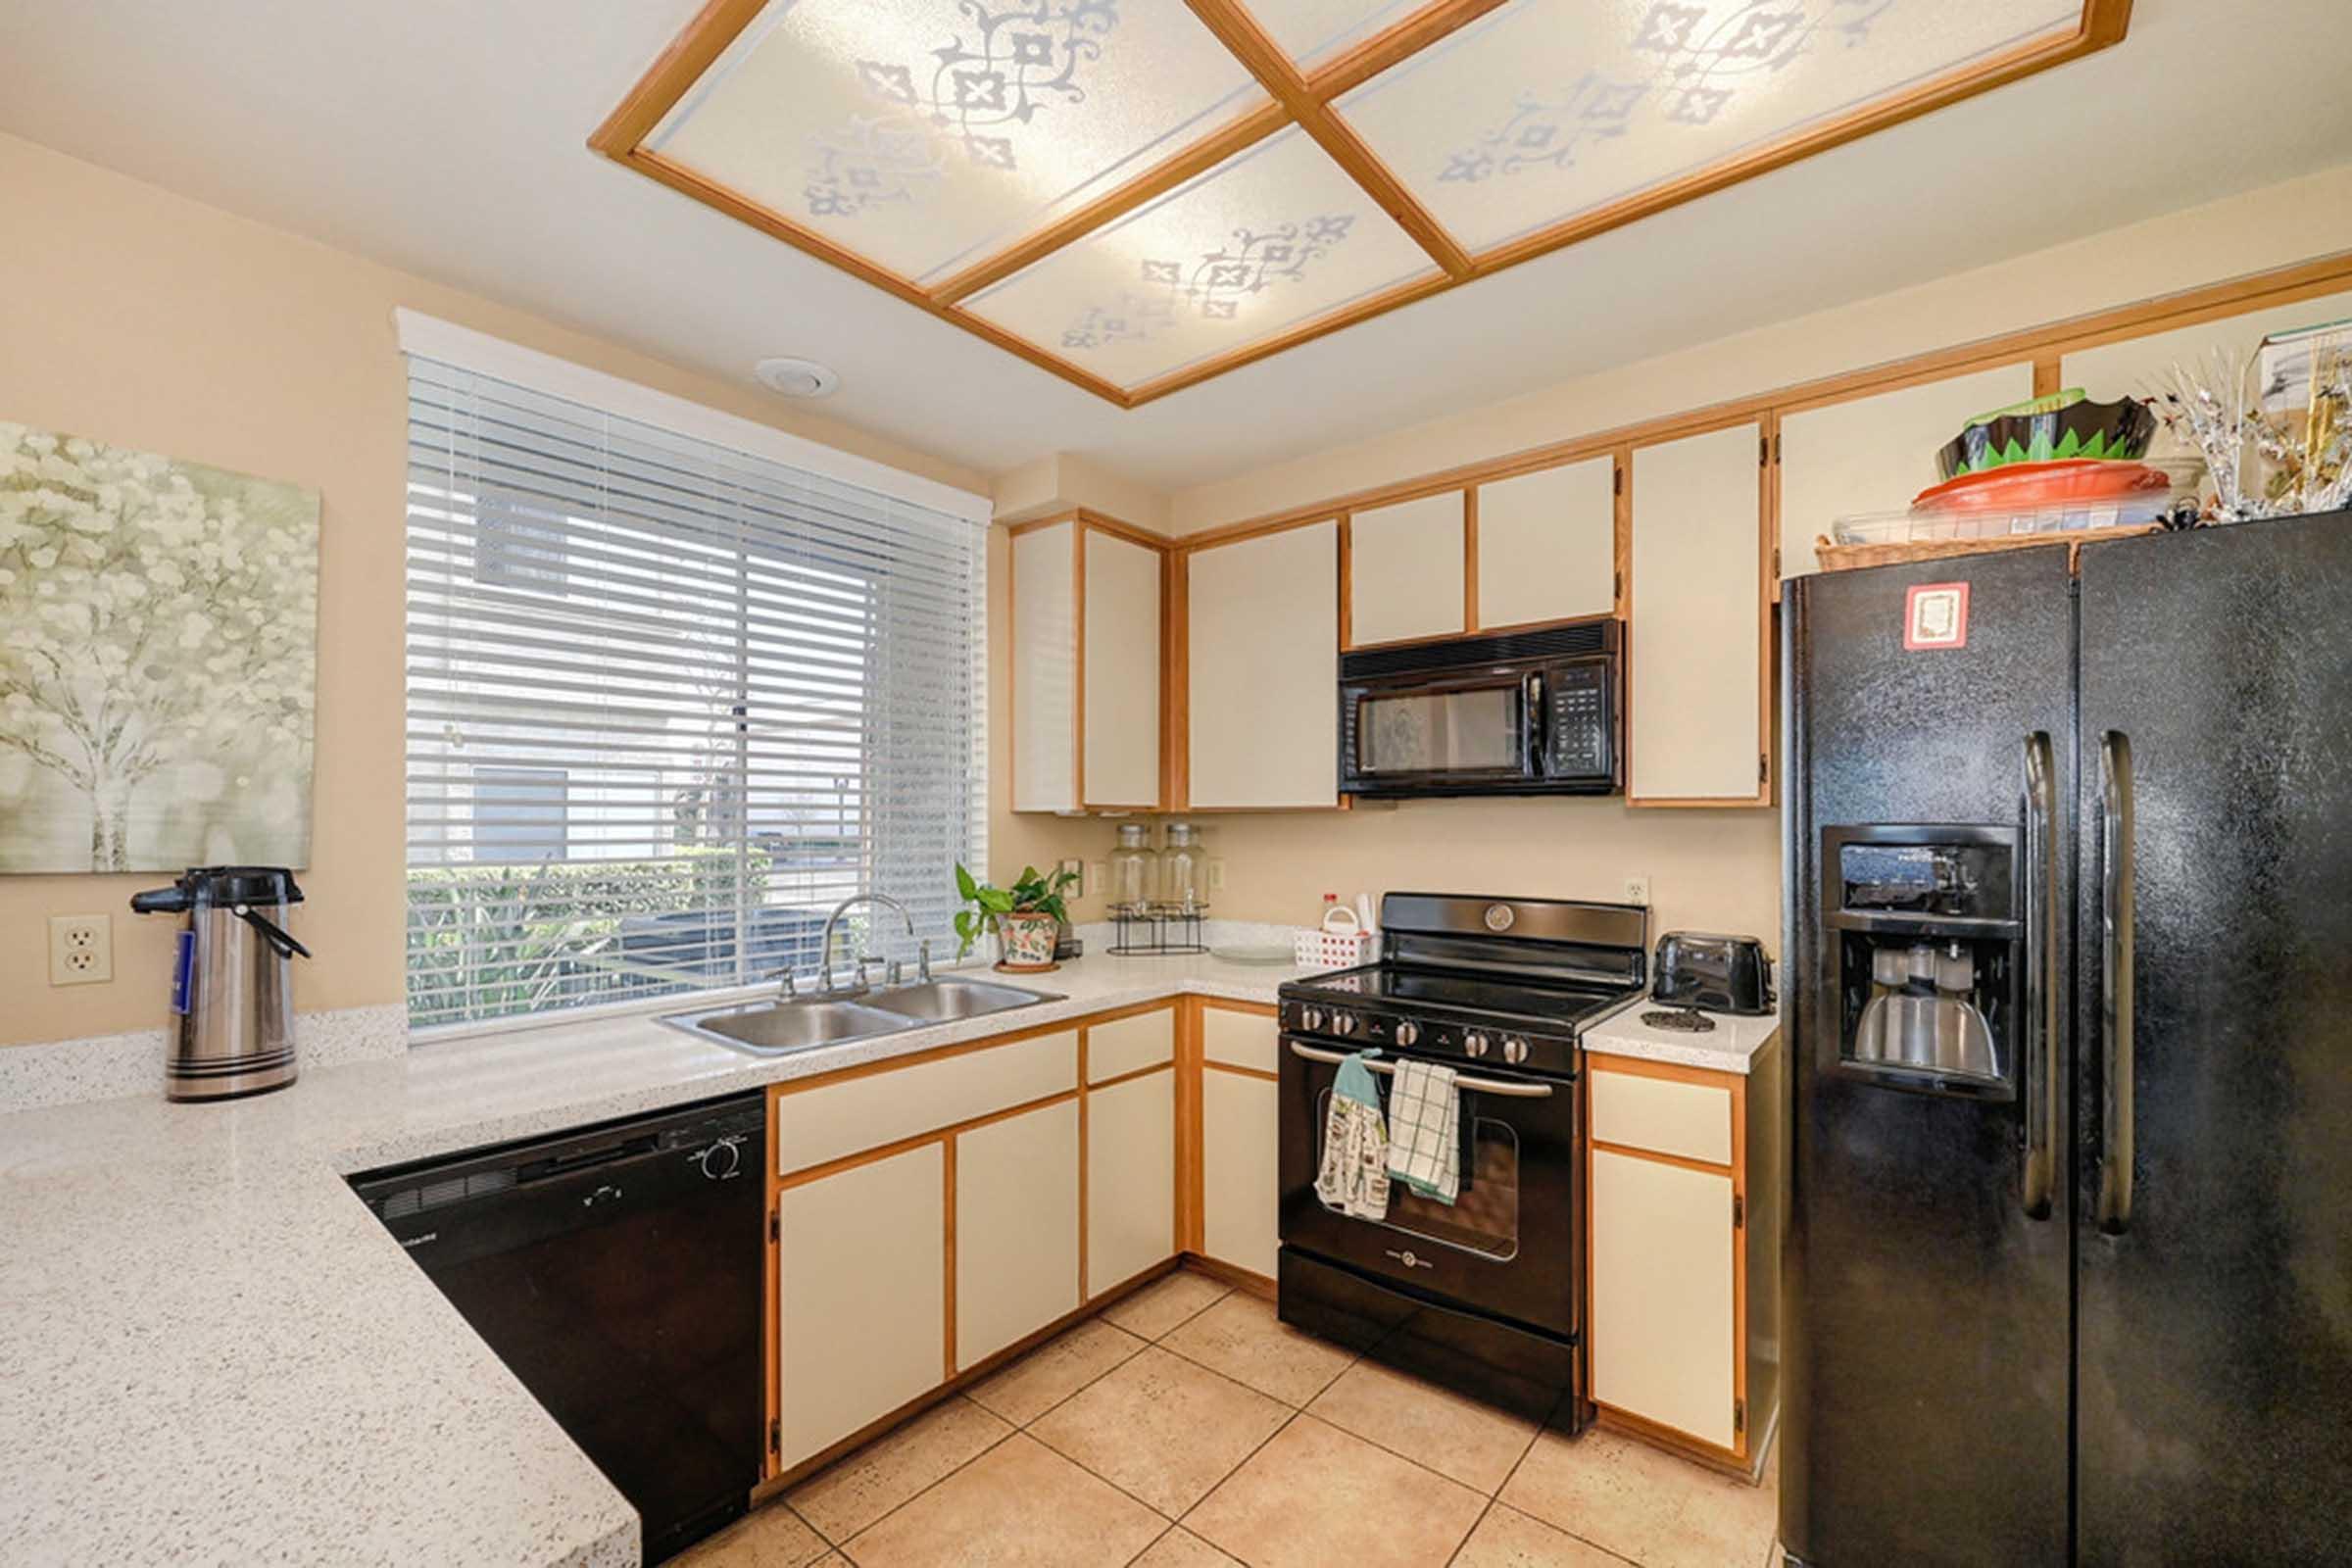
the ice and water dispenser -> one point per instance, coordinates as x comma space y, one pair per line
1926, 936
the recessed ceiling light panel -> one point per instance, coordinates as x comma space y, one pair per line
796, 378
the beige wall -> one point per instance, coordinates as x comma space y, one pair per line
1712, 869
136, 316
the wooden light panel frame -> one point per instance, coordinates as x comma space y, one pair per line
1303, 99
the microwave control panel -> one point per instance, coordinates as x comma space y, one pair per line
1580, 720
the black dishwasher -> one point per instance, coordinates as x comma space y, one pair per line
617, 1269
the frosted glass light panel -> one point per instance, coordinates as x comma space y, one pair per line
926, 135
1548, 109
1313, 32
1274, 237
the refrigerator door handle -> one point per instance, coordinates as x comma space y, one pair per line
2116, 895
2042, 978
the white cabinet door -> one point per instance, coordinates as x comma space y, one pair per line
1044, 670
1130, 1178
1663, 1325
1121, 658
1404, 570
1016, 1228
1263, 652
1548, 545
862, 1303
1241, 1169
1697, 711
1875, 454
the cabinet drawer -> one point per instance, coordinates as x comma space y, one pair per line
1239, 1039
1664, 1115
1130, 1045
817, 1125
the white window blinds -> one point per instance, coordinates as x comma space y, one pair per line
668, 703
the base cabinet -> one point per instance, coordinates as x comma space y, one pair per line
1130, 1178
1662, 1318
1016, 1228
862, 1297
1240, 1169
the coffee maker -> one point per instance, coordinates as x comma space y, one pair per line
232, 980
1926, 953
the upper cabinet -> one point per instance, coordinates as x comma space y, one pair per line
1086, 667
1700, 706
1406, 571
1262, 649
1119, 668
1875, 454
1547, 544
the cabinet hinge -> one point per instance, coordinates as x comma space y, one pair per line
1739, 1211
1776, 446
1776, 560
1739, 1415
775, 1226
775, 1436
1617, 585
1763, 767
1763, 451
1617, 481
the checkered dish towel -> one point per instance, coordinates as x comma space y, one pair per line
1425, 1130
1355, 1143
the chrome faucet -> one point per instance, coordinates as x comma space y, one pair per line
824, 952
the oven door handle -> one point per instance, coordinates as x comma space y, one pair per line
1475, 1086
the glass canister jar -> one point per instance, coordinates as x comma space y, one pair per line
1184, 869
1134, 867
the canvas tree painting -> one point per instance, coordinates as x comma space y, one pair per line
158, 660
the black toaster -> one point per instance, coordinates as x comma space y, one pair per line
1721, 974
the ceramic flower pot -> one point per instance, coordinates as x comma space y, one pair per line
1026, 940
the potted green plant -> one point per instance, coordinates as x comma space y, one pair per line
1027, 915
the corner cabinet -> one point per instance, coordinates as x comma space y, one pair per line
1685, 1251
1262, 688
1699, 668
1085, 651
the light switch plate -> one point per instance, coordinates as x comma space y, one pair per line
1216, 876
81, 949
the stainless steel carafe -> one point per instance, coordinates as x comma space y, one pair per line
232, 982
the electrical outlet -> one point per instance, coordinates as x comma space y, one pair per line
81, 949
1637, 889
1216, 876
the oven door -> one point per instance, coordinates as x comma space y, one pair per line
1432, 735
1510, 1246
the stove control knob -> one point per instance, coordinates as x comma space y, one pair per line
1514, 1048
1310, 1019
1409, 1032
1343, 1024
1474, 1042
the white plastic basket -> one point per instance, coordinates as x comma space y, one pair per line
1340, 943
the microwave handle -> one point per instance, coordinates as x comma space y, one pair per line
1536, 760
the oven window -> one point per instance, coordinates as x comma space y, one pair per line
1484, 1217
1475, 730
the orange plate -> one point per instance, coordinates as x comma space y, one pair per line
2028, 486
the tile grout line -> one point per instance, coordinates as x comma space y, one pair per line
1010, 1432
1235, 1470
1463, 1545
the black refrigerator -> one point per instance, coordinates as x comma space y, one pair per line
2068, 1267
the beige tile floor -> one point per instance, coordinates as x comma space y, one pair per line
1186, 1428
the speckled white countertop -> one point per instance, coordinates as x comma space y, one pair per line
212, 1354
1730, 1047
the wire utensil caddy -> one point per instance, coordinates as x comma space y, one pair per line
1144, 930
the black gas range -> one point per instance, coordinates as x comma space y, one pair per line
1484, 1293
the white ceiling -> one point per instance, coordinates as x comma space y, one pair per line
447, 137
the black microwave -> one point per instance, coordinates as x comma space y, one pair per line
1532, 713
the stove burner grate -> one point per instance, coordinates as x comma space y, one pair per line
1688, 1020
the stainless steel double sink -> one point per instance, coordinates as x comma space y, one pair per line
779, 1028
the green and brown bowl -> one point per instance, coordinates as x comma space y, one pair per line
2049, 430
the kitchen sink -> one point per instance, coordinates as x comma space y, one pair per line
938, 1000
776, 1028
779, 1028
